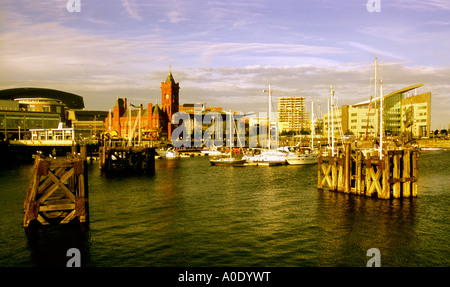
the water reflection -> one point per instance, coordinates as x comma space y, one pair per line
48, 246
350, 225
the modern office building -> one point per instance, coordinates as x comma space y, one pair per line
404, 111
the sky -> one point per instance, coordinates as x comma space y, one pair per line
225, 53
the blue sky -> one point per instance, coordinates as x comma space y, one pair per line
224, 53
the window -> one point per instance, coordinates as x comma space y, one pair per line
46, 109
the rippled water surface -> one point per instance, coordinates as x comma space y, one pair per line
193, 214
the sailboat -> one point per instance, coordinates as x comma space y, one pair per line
229, 160
307, 155
268, 156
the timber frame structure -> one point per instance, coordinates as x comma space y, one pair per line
58, 191
395, 175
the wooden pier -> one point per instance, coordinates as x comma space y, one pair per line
395, 175
127, 160
58, 191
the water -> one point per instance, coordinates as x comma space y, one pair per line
192, 214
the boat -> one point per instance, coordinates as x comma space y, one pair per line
229, 160
214, 151
172, 153
431, 148
268, 156
301, 157
306, 155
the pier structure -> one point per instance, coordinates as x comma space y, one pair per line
123, 160
58, 191
394, 174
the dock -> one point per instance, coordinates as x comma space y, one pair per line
127, 160
394, 175
57, 192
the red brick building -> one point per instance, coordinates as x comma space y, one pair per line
155, 121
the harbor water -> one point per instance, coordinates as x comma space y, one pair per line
192, 214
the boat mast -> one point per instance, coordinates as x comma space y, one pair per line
375, 94
332, 119
381, 119
312, 124
328, 120
270, 112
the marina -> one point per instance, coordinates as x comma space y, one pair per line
191, 214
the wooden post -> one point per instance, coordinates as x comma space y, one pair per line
396, 174
334, 175
384, 165
415, 174
359, 188
319, 170
407, 173
83, 152
341, 178
348, 167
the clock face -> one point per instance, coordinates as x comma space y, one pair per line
167, 96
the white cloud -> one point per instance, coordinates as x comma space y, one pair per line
131, 9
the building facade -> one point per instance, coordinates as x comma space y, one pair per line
404, 111
154, 120
292, 114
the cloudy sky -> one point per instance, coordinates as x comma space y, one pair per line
224, 53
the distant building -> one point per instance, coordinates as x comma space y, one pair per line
292, 114
403, 112
88, 120
191, 108
22, 109
155, 121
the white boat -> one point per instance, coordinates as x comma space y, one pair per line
307, 156
172, 153
430, 148
267, 157
212, 152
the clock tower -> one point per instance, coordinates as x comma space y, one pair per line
170, 100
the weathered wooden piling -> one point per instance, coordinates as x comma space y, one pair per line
395, 175
127, 160
58, 191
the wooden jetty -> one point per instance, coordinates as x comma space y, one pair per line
395, 175
58, 191
127, 160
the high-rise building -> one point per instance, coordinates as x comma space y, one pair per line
292, 114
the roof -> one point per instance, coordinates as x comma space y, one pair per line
170, 78
404, 90
156, 109
72, 101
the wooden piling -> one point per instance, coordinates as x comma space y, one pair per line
127, 160
395, 175
58, 191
